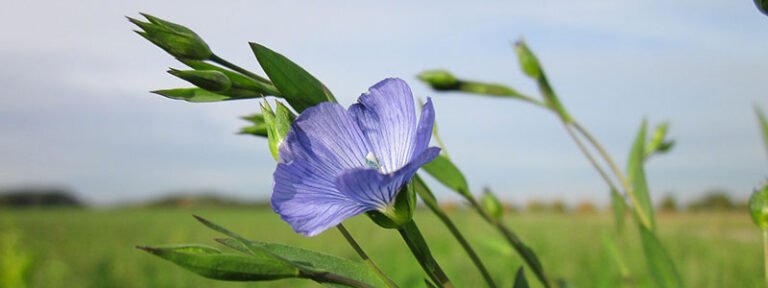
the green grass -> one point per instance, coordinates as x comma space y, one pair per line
86, 248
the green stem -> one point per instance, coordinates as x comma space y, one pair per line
415, 241
589, 156
266, 84
765, 254
428, 199
603, 153
368, 261
616, 171
523, 250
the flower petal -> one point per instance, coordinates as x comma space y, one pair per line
377, 190
387, 117
426, 124
326, 135
308, 200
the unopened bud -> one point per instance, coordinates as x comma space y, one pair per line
177, 40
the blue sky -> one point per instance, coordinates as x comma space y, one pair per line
75, 111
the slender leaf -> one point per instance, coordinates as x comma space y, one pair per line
259, 127
618, 208
659, 263
307, 260
636, 173
198, 95
610, 245
520, 281
297, 86
212, 263
444, 171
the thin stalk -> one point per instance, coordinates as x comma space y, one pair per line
589, 156
604, 154
523, 250
511, 237
415, 241
432, 204
765, 254
368, 261
630, 192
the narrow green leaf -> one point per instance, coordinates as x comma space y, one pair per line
636, 173
618, 204
199, 95
320, 262
661, 266
212, 263
520, 281
763, 123
609, 244
297, 86
444, 171
196, 95
307, 260
259, 127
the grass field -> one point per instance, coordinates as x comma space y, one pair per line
92, 248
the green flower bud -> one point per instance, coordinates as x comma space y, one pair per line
177, 40
210, 80
397, 213
528, 62
758, 207
492, 205
762, 5
440, 80
658, 143
278, 124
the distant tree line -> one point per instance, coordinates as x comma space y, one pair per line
714, 200
39, 197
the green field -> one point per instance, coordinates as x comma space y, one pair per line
91, 248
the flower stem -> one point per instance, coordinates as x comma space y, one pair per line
415, 241
523, 250
765, 254
630, 192
429, 200
589, 156
368, 261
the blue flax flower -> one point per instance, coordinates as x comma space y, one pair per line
336, 163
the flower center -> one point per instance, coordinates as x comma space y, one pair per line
372, 161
